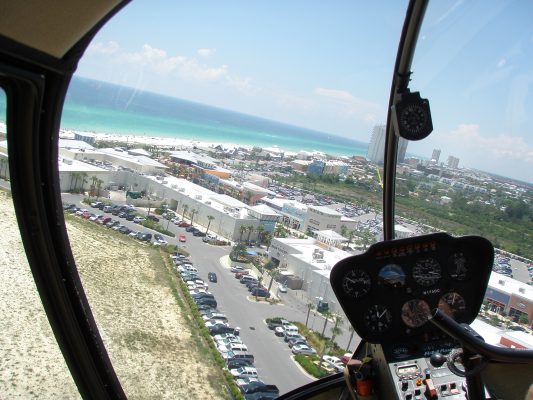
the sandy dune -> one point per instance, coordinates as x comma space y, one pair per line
129, 288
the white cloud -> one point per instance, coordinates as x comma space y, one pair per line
205, 52
110, 47
293, 102
502, 62
341, 95
347, 105
474, 145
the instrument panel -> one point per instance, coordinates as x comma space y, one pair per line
389, 292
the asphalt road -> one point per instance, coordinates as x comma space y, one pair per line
272, 355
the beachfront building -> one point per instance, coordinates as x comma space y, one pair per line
266, 216
112, 159
190, 200
198, 164
311, 262
293, 214
320, 218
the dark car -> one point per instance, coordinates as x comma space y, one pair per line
260, 292
261, 396
220, 329
209, 302
239, 362
153, 218
100, 206
199, 233
258, 386
124, 230
212, 277
130, 217
202, 295
146, 237
190, 229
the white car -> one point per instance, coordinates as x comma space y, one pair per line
244, 372
303, 349
334, 362
237, 268
133, 233
138, 219
282, 288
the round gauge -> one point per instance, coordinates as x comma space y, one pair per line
413, 119
415, 313
427, 272
377, 318
392, 275
457, 266
452, 303
356, 283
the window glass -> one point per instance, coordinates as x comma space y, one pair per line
253, 128
32, 363
472, 175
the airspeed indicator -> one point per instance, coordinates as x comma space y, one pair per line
356, 283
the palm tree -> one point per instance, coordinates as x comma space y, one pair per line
242, 229
279, 230
193, 213
268, 239
185, 208
210, 218
250, 229
84, 175
260, 229
98, 187
344, 230
74, 176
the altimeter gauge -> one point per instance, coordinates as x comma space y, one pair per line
356, 283
415, 313
452, 304
426, 272
378, 318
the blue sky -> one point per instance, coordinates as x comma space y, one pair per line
327, 66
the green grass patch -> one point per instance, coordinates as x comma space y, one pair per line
308, 363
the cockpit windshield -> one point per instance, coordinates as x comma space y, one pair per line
221, 163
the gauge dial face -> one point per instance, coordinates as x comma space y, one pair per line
356, 283
415, 313
413, 118
378, 318
392, 275
458, 266
452, 304
427, 272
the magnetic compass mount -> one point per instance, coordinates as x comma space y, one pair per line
411, 116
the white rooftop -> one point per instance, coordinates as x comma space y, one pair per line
74, 144
69, 165
139, 152
326, 210
510, 286
331, 235
264, 210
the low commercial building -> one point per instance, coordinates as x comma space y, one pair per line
320, 218
311, 261
510, 296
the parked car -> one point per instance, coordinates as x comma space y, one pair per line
282, 288
138, 219
244, 372
333, 362
153, 218
221, 329
130, 217
239, 362
184, 224
303, 349
182, 238
258, 386
261, 292
237, 268
124, 230
212, 277
160, 240
261, 396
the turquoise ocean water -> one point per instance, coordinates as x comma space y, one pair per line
96, 106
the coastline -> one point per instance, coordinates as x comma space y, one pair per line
165, 141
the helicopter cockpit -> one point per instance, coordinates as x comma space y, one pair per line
410, 300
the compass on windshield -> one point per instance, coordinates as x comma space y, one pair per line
411, 117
